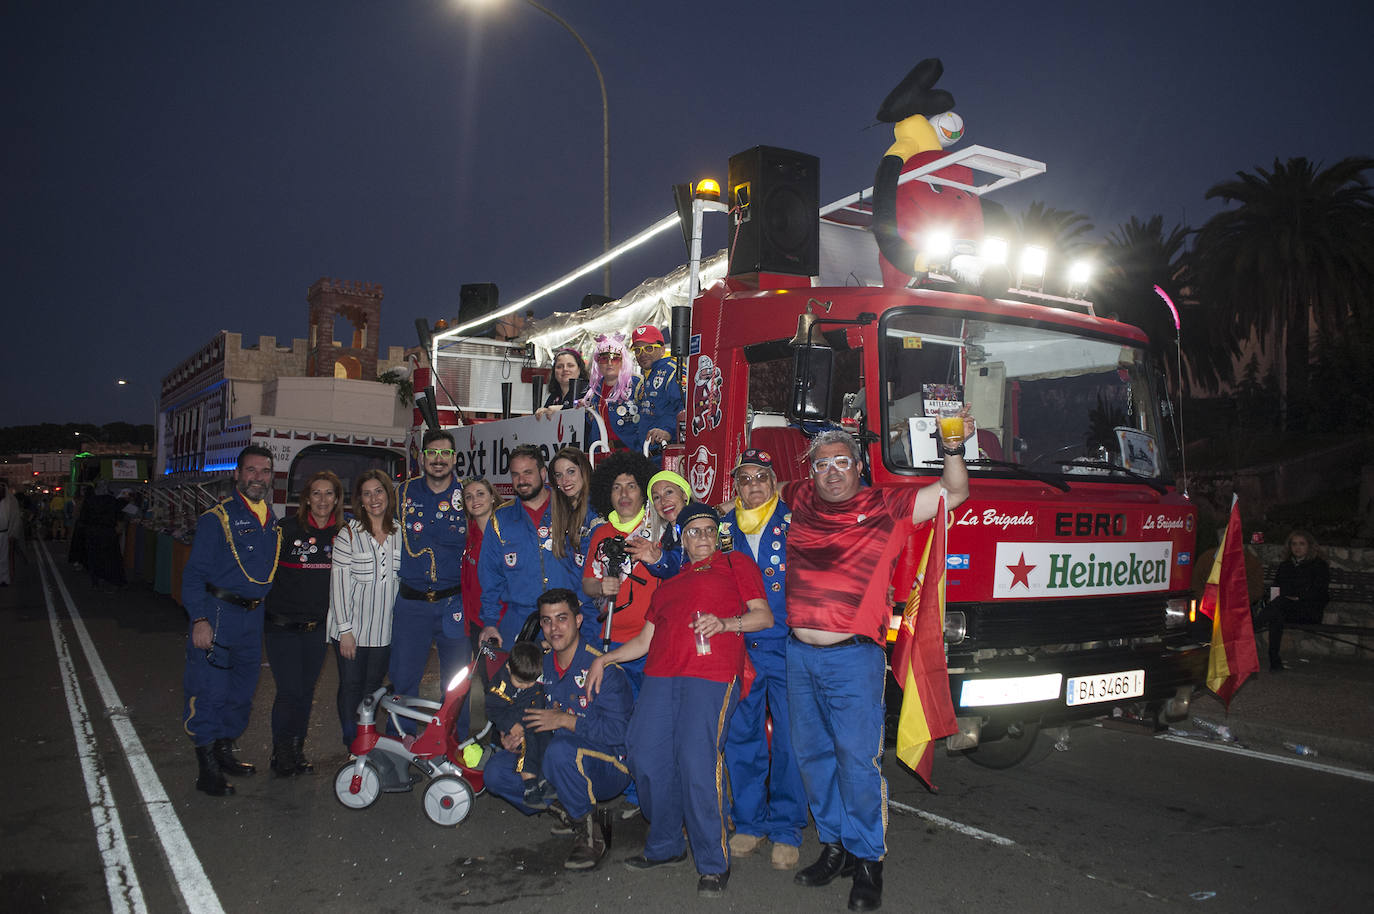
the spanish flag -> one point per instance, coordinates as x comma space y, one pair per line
918, 659
1227, 600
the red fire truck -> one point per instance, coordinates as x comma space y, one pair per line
1070, 565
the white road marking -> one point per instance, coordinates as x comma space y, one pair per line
191, 881
121, 880
1296, 762
960, 827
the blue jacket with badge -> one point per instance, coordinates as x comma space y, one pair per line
658, 397
603, 719
434, 532
517, 565
622, 418
233, 551
771, 559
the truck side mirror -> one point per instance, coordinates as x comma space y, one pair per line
812, 369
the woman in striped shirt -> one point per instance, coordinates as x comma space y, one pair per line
362, 593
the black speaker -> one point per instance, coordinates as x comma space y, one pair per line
476, 300
777, 194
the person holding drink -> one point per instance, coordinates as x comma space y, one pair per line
677, 733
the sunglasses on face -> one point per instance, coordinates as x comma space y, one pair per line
749, 479
843, 464
644, 347
608, 357
439, 452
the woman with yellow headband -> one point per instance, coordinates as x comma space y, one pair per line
669, 493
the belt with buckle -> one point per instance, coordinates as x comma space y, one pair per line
429, 596
292, 625
228, 596
856, 639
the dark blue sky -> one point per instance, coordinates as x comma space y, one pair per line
172, 169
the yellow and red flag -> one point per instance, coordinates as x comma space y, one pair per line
1227, 600
918, 659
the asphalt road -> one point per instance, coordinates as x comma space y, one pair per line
100, 812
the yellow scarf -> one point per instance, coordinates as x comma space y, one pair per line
751, 520
626, 526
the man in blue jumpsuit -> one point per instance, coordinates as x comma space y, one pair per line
232, 563
769, 799
517, 562
429, 608
658, 395
585, 761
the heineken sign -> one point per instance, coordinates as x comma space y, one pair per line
1081, 569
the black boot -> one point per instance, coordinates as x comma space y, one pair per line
303, 765
211, 779
224, 755
834, 861
283, 760
867, 893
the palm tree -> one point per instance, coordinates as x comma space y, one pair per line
1060, 231
1140, 255
1297, 248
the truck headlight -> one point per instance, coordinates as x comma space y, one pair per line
956, 627
1176, 613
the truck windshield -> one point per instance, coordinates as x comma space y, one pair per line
1043, 398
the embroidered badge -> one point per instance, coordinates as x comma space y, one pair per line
511, 559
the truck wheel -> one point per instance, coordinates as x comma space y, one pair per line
1008, 751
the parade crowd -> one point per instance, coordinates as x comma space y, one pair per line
721, 670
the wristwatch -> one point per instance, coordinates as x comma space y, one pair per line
951, 451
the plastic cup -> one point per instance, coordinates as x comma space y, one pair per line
952, 425
703, 641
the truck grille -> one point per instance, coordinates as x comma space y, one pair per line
1042, 623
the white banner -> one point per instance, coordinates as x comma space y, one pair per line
1079, 569
484, 447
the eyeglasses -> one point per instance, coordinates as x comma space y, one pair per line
699, 533
608, 357
752, 479
637, 348
439, 452
843, 464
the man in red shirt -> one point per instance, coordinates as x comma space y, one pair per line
841, 549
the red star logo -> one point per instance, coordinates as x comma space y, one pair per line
1020, 572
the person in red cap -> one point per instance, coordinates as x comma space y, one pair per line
659, 393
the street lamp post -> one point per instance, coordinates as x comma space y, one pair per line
605, 142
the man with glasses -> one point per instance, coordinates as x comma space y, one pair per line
658, 395
429, 609
841, 549
232, 564
765, 783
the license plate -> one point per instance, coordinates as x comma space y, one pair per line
1086, 690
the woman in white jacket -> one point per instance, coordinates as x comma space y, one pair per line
362, 591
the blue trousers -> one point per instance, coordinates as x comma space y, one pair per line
675, 740
634, 672
768, 799
836, 696
416, 625
583, 774
219, 683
